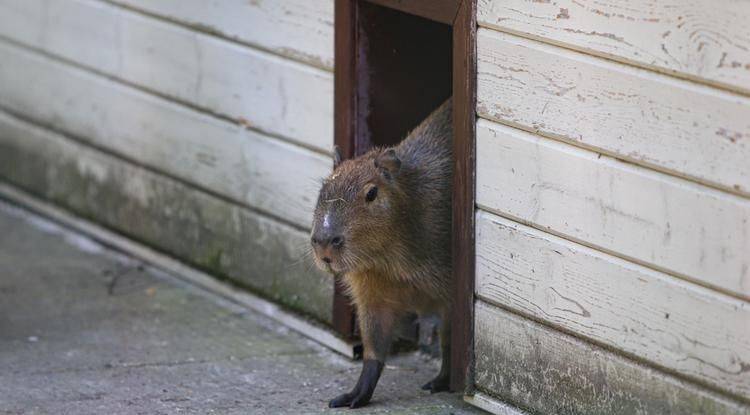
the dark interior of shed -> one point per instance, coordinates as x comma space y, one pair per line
403, 70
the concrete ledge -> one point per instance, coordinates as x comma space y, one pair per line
180, 270
492, 405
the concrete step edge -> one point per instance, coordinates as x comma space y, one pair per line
307, 328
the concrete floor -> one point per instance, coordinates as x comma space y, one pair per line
84, 330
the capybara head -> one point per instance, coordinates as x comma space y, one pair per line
360, 212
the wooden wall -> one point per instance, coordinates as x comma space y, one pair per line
200, 128
613, 196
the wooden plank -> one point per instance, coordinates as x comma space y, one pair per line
345, 136
706, 40
248, 167
647, 314
683, 228
463, 194
545, 371
253, 88
443, 11
670, 125
222, 238
298, 29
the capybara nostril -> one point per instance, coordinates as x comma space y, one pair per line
337, 242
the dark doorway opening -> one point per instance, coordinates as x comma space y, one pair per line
396, 61
404, 68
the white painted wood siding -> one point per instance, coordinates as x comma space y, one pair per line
223, 109
684, 228
549, 372
647, 118
613, 195
707, 40
277, 177
298, 29
647, 314
252, 87
198, 228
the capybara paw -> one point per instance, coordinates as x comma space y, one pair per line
351, 400
360, 400
341, 400
439, 384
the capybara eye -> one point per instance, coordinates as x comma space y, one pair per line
372, 194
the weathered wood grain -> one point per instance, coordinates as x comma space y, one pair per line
686, 229
346, 125
223, 238
649, 315
254, 88
676, 126
707, 40
443, 11
253, 169
299, 29
463, 197
541, 369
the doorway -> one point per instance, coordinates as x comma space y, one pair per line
396, 62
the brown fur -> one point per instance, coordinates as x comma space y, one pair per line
395, 257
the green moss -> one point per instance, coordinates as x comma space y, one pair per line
223, 239
213, 262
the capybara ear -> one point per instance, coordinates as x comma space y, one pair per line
388, 163
337, 158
